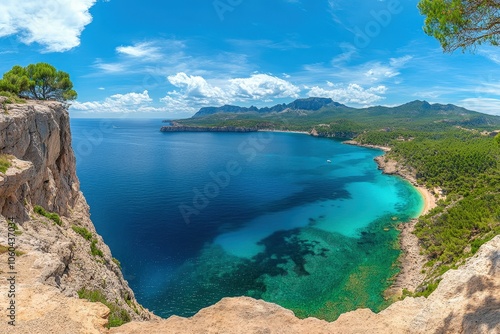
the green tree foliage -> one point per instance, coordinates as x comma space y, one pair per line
462, 24
39, 81
15, 81
497, 139
466, 166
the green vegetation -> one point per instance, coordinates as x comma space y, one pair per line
51, 215
115, 260
86, 234
460, 24
465, 165
11, 97
117, 317
39, 81
94, 250
16, 228
5, 249
5, 162
428, 289
450, 149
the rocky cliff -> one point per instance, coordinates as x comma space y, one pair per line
55, 260
45, 217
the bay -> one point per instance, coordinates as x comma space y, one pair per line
307, 223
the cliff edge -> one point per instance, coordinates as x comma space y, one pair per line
50, 253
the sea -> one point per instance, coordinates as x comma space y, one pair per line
307, 223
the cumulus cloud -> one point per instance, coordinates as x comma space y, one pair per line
195, 92
196, 86
55, 24
119, 103
262, 86
352, 93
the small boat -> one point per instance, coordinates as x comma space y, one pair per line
329, 161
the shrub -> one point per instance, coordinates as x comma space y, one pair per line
117, 316
428, 289
86, 234
51, 215
11, 97
115, 260
16, 228
5, 162
94, 249
5, 249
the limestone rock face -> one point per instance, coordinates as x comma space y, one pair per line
39, 133
57, 260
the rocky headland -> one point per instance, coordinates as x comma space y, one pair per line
56, 260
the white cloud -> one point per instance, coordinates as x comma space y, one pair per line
348, 51
119, 103
162, 57
176, 103
195, 92
110, 67
55, 24
400, 62
491, 53
252, 44
146, 50
364, 74
196, 86
352, 93
379, 72
485, 105
262, 86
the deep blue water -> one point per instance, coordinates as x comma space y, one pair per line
194, 217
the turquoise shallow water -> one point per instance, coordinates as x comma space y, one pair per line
194, 217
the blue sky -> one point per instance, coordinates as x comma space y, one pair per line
167, 59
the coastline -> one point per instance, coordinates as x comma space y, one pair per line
410, 261
378, 147
285, 131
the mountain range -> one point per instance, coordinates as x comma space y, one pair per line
310, 104
306, 114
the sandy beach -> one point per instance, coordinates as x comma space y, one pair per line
411, 261
355, 143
